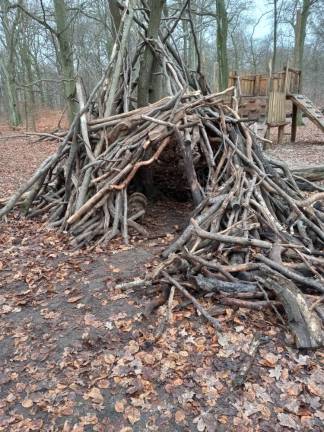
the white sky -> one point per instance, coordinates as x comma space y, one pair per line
264, 26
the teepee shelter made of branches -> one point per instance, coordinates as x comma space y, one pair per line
254, 239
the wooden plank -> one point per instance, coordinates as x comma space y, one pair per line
276, 108
309, 109
294, 123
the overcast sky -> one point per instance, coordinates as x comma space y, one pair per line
264, 27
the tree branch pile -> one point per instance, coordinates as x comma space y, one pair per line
254, 240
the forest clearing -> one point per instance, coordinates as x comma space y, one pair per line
161, 244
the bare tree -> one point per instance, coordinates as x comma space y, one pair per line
10, 21
145, 81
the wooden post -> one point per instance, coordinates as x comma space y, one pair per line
185, 144
294, 122
281, 130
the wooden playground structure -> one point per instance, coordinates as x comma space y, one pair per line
266, 98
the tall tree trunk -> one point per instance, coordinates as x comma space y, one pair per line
222, 34
275, 36
185, 41
29, 91
116, 17
145, 80
8, 60
11, 93
300, 35
65, 54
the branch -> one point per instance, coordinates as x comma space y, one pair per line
34, 17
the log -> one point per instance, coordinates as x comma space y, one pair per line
304, 324
313, 173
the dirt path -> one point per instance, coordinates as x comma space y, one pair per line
77, 354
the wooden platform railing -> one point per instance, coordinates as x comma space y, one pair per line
255, 85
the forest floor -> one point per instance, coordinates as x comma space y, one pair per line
77, 353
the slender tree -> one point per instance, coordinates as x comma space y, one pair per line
222, 35
10, 21
146, 79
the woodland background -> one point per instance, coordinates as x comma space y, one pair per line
45, 45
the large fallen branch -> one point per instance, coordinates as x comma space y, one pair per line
313, 173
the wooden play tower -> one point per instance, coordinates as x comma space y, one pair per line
264, 98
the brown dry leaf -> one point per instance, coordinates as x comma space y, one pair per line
314, 389
77, 428
89, 420
177, 382
11, 397
27, 403
109, 358
1, 265
132, 414
180, 416
103, 384
75, 299
120, 406
293, 389
266, 413
133, 347
149, 359
34, 425
269, 360
223, 419
66, 410
90, 320
288, 421
95, 394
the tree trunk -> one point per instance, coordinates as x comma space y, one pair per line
8, 63
11, 91
313, 173
222, 34
145, 75
29, 93
116, 17
300, 35
275, 34
65, 54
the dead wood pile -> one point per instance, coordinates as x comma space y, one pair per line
255, 240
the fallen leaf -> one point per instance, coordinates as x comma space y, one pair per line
276, 372
103, 384
89, 420
133, 347
95, 394
27, 403
120, 406
269, 360
201, 425
223, 419
132, 414
288, 421
90, 320
180, 416
75, 299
